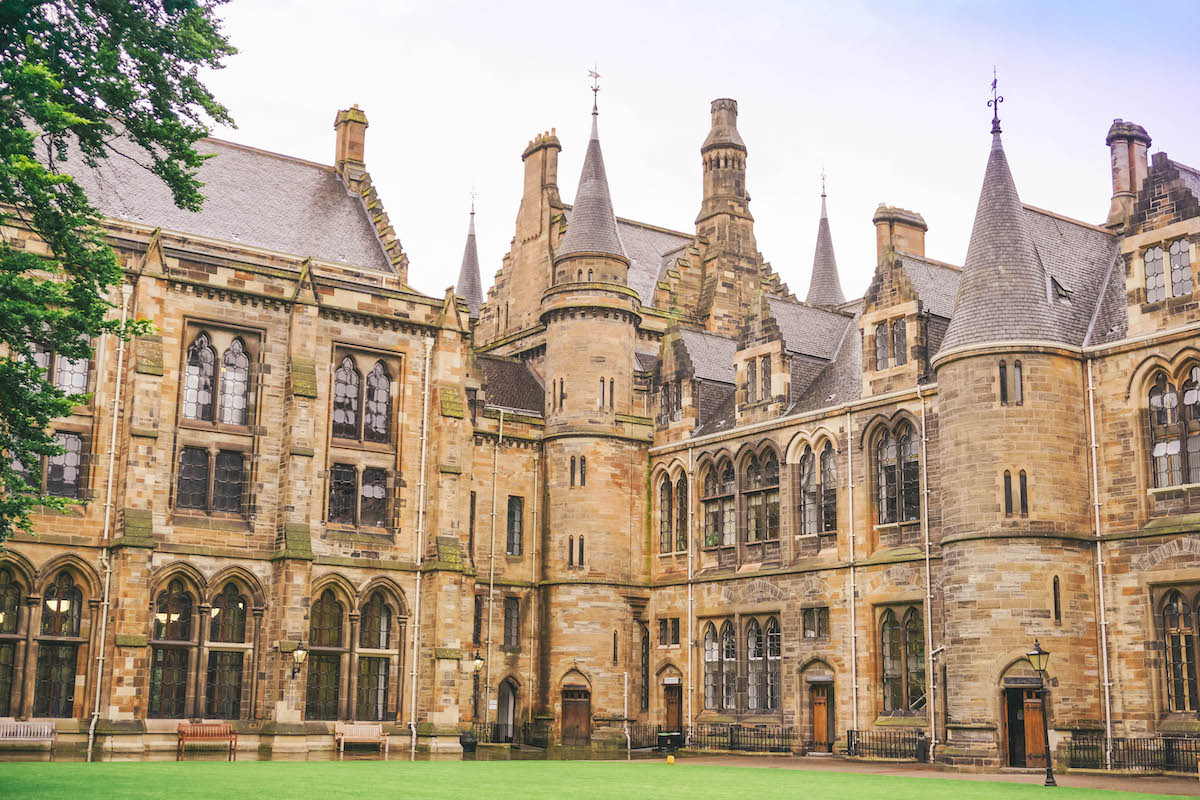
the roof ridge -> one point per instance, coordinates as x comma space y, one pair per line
646, 225
258, 150
933, 262
1065, 218
811, 306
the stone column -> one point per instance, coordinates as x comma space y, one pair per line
201, 687
34, 623
350, 706
255, 658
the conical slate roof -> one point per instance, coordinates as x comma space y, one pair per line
469, 286
824, 288
593, 226
1003, 291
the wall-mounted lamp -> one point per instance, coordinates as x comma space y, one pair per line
298, 656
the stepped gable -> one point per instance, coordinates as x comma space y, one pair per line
252, 198
510, 384
469, 287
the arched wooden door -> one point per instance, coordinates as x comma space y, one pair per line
821, 700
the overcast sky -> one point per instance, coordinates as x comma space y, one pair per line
889, 97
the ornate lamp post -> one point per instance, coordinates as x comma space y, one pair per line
1039, 658
477, 666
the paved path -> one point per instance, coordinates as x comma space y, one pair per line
1148, 784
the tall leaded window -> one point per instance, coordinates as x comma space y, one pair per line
728, 667
720, 527
346, 399
516, 518
64, 471
325, 658
645, 667
751, 381
809, 507
10, 607
766, 378
1180, 254
372, 700
373, 508
1018, 383
1003, 383
223, 684
712, 667
898, 475
815, 622
914, 660
1008, 494
228, 482
900, 342
71, 374
375, 625
198, 379
1156, 287
10, 602
192, 489
887, 478
58, 648
761, 489
756, 673
62, 607
681, 514
892, 650
1191, 419
172, 633
774, 664
881, 346
828, 489
358, 498
512, 621
1179, 636
583, 470
902, 651
202, 488
377, 420
1164, 433
1024, 490
666, 505
227, 621
235, 384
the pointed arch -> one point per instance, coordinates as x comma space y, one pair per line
345, 590
389, 587
182, 570
84, 573
22, 568
347, 400
247, 580
199, 377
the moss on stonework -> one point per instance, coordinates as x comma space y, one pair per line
447, 653
297, 543
304, 378
131, 640
451, 403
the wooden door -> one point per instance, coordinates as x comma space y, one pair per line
1014, 716
820, 717
674, 702
576, 716
1035, 733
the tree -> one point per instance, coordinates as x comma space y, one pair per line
80, 74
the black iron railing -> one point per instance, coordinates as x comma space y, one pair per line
494, 732
753, 739
1153, 754
882, 744
642, 735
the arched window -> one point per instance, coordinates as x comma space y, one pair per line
570, 551
828, 489
666, 529
572, 470
1003, 384
589, 274
235, 384
681, 514
756, 674
898, 475
325, 658
375, 623
581, 549
583, 470
1008, 494
900, 342
766, 378
1180, 654
645, 668
774, 664
719, 521
1057, 602
808, 493
1024, 481
881, 346
377, 416
10, 608
751, 381
374, 633
887, 478
914, 661
1164, 433
611, 396
198, 379
1191, 406
712, 666
1018, 384
910, 474
346, 398
903, 661
892, 650
761, 487
169, 660
728, 667
223, 684
602, 394
58, 648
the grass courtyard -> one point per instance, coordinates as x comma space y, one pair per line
494, 780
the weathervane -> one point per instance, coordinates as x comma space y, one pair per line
473, 196
994, 104
822, 180
595, 76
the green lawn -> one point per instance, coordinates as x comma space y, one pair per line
488, 780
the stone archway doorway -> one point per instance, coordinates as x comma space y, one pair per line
506, 711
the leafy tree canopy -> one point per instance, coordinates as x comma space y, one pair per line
82, 74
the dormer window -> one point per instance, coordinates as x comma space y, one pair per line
751, 381
1061, 295
900, 342
766, 377
881, 346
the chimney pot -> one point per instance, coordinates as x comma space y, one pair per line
898, 229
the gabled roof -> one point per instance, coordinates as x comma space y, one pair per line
825, 287
592, 227
711, 355
469, 287
841, 381
807, 329
252, 197
1004, 289
510, 383
935, 282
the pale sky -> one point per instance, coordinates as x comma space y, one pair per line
889, 97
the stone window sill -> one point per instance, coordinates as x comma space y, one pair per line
672, 554
893, 526
1182, 487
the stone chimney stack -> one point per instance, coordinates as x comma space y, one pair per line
1127, 145
351, 127
540, 192
898, 229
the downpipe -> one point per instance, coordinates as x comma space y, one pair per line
1103, 631
929, 649
416, 637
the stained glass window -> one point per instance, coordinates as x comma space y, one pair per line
900, 342
774, 664
373, 510
71, 375
235, 384
1164, 433
881, 346
887, 478
1180, 253
828, 489
666, 531
712, 666
198, 379
728, 667
681, 514
1156, 287
378, 417
808, 493
346, 398
755, 698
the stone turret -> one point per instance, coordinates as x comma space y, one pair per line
468, 286
724, 157
825, 287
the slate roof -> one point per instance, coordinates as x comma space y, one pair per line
936, 283
253, 198
842, 379
511, 384
807, 329
592, 227
1189, 176
469, 286
648, 248
1003, 291
824, 288
711, 355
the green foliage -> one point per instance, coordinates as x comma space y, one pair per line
80, 75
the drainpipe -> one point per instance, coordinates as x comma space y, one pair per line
105, 560
487, 662
691, 521
416, 638
853, 604
932, 676
1103, 632
534, 539
625, 714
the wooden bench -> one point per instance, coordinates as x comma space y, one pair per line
371, 732
28, 732
207, 732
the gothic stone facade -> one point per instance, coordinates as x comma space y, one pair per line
639, 481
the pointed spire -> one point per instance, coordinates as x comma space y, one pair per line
825, 287
1003, 291
592, 226
469, 286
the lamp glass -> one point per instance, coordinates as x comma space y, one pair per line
1038, 657
299, 654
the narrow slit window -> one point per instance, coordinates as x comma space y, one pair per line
583, 470
1057, 603
1008, 494
1018, 384
1003, 383
570, 551
1024, 495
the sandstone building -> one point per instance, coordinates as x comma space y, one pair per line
640, 478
